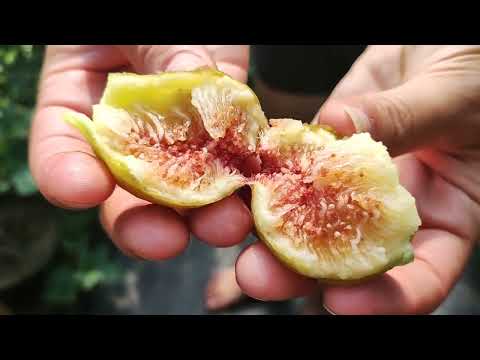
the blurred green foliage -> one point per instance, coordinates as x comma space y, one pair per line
84, 262
84, 258
19, 72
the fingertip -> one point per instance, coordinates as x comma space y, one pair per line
187, 61
222, 224
150, 232
382, 295
76, 180
263, 277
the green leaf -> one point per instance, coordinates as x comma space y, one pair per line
10, 56
27, 50
90, 279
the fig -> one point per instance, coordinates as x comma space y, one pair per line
330, 208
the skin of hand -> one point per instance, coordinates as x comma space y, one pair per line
423, 103
70, 176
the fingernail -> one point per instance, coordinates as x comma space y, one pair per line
328, 310
185, 61
359, 118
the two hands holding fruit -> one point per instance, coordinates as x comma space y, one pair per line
422, 102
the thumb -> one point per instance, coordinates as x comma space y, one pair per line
149, 59
404, 118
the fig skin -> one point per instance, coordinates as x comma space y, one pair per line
123, 91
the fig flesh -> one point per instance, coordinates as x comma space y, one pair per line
330, 208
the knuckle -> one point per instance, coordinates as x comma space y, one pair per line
150, 55
195, 54
391, 116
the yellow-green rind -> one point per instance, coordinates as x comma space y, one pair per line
161, 91
406, 258
123, 89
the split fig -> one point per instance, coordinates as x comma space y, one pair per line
329, 208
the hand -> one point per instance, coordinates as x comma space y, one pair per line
423, 102
69, 175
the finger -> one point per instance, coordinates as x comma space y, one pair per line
62, 163
149, 59
263, 277
405, 118
222, 224
417, 288
382, 95
440, 204
141, 229
231, 59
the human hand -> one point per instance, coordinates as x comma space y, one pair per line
69, 175
423, 103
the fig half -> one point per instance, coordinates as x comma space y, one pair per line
175, 139
329, 208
